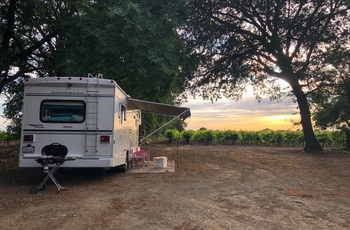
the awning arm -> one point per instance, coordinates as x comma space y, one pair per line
178, 116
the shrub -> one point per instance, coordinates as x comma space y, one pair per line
171, 134
204, 136
187, 135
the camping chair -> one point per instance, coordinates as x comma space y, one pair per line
55, 154
141, 156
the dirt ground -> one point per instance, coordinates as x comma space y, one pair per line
213, 187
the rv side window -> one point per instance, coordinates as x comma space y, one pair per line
59, 111
122, 116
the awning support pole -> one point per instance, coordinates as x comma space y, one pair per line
141, 141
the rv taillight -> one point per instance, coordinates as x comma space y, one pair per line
105, 138
28, 137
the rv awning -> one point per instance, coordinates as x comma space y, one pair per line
159, 108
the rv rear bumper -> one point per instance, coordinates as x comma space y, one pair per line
77, 163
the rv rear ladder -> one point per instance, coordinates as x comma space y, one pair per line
92, 101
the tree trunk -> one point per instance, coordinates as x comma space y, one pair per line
311, 143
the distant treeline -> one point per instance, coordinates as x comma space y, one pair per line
263, 138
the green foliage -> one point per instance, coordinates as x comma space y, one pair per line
151, 122
264, 137
3, 136
331, 99
171, 134
134, 43
249, 138
338, 138
6, 136
187, 135
293, 138
204, 136
228, 137
325, 138
13, 106
178, 124
29, 31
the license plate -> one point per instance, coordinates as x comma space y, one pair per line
28, 149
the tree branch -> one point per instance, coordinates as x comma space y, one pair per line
10, 24
35, 46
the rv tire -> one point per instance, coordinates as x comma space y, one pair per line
126, 166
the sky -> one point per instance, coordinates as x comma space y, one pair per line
2, 120
247, 114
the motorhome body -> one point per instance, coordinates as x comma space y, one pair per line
93, 117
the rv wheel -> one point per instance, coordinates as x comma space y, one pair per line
126, 166
34, 189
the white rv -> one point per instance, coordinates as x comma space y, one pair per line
93, 117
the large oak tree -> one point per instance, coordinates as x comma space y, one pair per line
233, 42
131, 41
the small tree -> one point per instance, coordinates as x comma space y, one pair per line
171, 134
204, 136
231, 136
187, 135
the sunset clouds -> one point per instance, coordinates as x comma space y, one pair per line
247, 114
